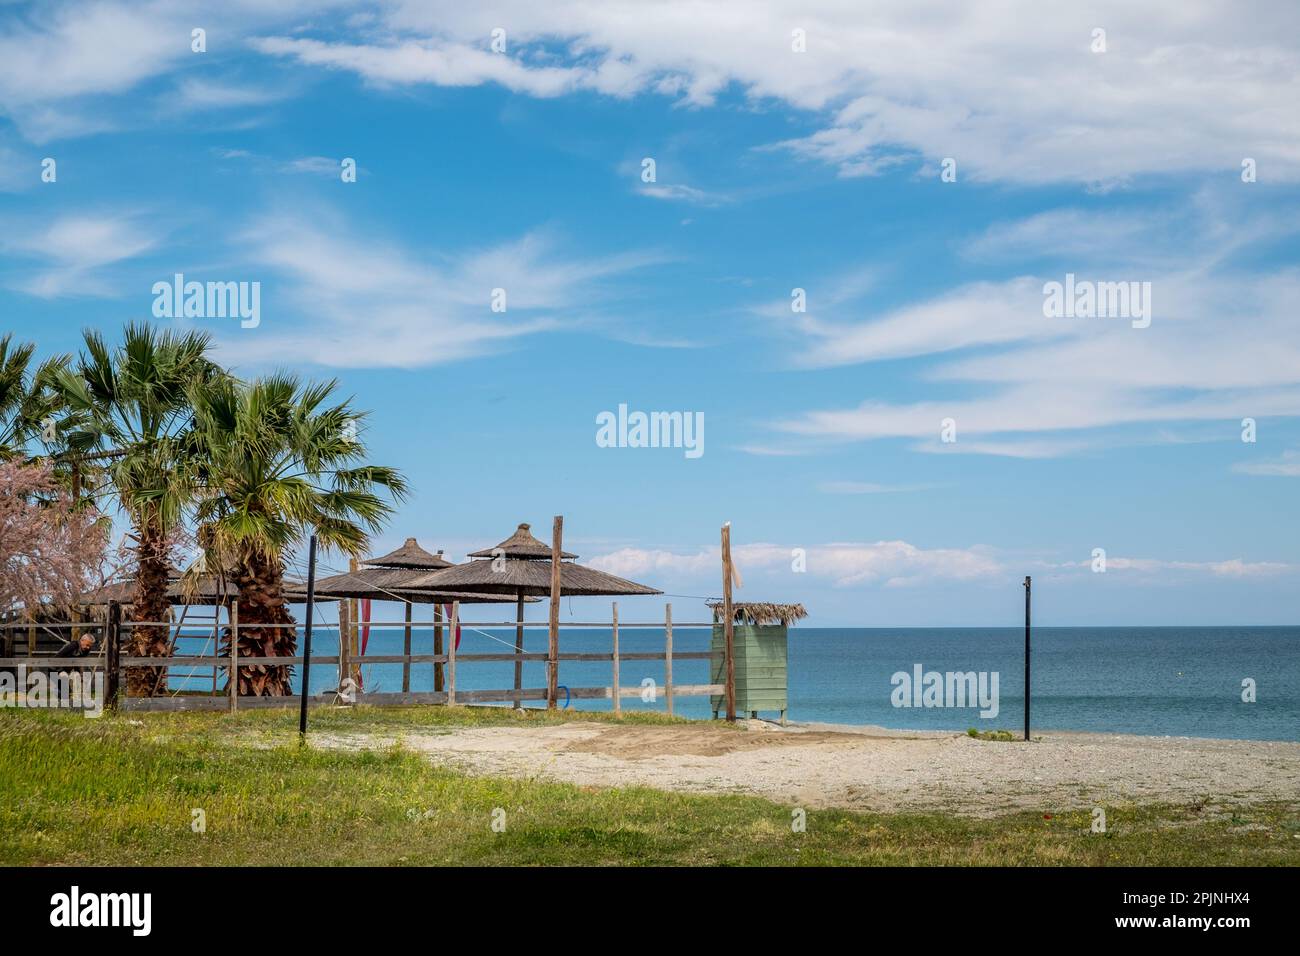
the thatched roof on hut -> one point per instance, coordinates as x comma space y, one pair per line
409, 556
760, 612
523, 545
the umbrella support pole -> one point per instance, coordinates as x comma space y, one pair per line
437, 647
519, 649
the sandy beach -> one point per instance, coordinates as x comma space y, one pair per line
870, 768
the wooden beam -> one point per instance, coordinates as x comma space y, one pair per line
345, 642
437, 647
728, 629
668, 656
519, 644
451, 653
553, 631
233, 689
406, 651
618, 696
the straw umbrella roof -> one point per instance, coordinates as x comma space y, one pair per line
529, 577
410, 556
526, 571
362, 584
760, 612
521, 544
203, 589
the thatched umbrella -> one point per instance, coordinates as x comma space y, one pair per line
387, 578
521, 566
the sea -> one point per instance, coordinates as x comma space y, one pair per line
1156, 681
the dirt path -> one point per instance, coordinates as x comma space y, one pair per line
871, 768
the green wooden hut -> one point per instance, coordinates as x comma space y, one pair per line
759, 636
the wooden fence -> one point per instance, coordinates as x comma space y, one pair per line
116, 632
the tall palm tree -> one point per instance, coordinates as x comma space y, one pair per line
130, 405
280, 459
26, 398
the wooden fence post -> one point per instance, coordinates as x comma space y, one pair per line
406, 650
553, 630
233, 684
728, 628
112, 653
437, 647
451, 652
668, 656
345, 642
618, 686
31, 636
519, 649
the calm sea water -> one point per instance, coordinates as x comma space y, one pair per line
1176, 681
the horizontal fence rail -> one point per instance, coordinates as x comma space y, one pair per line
113, 658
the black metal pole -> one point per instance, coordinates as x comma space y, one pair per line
1027, 593
306, 648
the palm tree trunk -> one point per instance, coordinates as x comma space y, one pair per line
261, 602
149, 604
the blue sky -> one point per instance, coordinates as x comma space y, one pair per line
775, 170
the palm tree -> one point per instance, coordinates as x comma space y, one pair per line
129, 406
26, 399
279, 459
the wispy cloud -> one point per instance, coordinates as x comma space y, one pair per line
69, 256
344, 298
892, 83
1286, 466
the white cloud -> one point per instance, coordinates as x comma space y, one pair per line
1231, 568
199, 94
1286, 466
369, 301
890, 563
66, 256
1011, 91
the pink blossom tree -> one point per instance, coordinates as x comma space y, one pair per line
51, 550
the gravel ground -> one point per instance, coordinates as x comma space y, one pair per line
871, 768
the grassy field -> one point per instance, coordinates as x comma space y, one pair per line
122, 790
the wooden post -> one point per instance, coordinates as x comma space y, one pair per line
553, 636
1027, 592
727, 626
668, 656
112, 653
437, 646
31, 636
354, 631
406, 650
233, 688
519, 649
451, 652
345, 642
618, 686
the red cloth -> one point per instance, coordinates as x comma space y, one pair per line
446, 613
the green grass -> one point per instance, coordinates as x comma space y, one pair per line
1002, 736
120, 791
